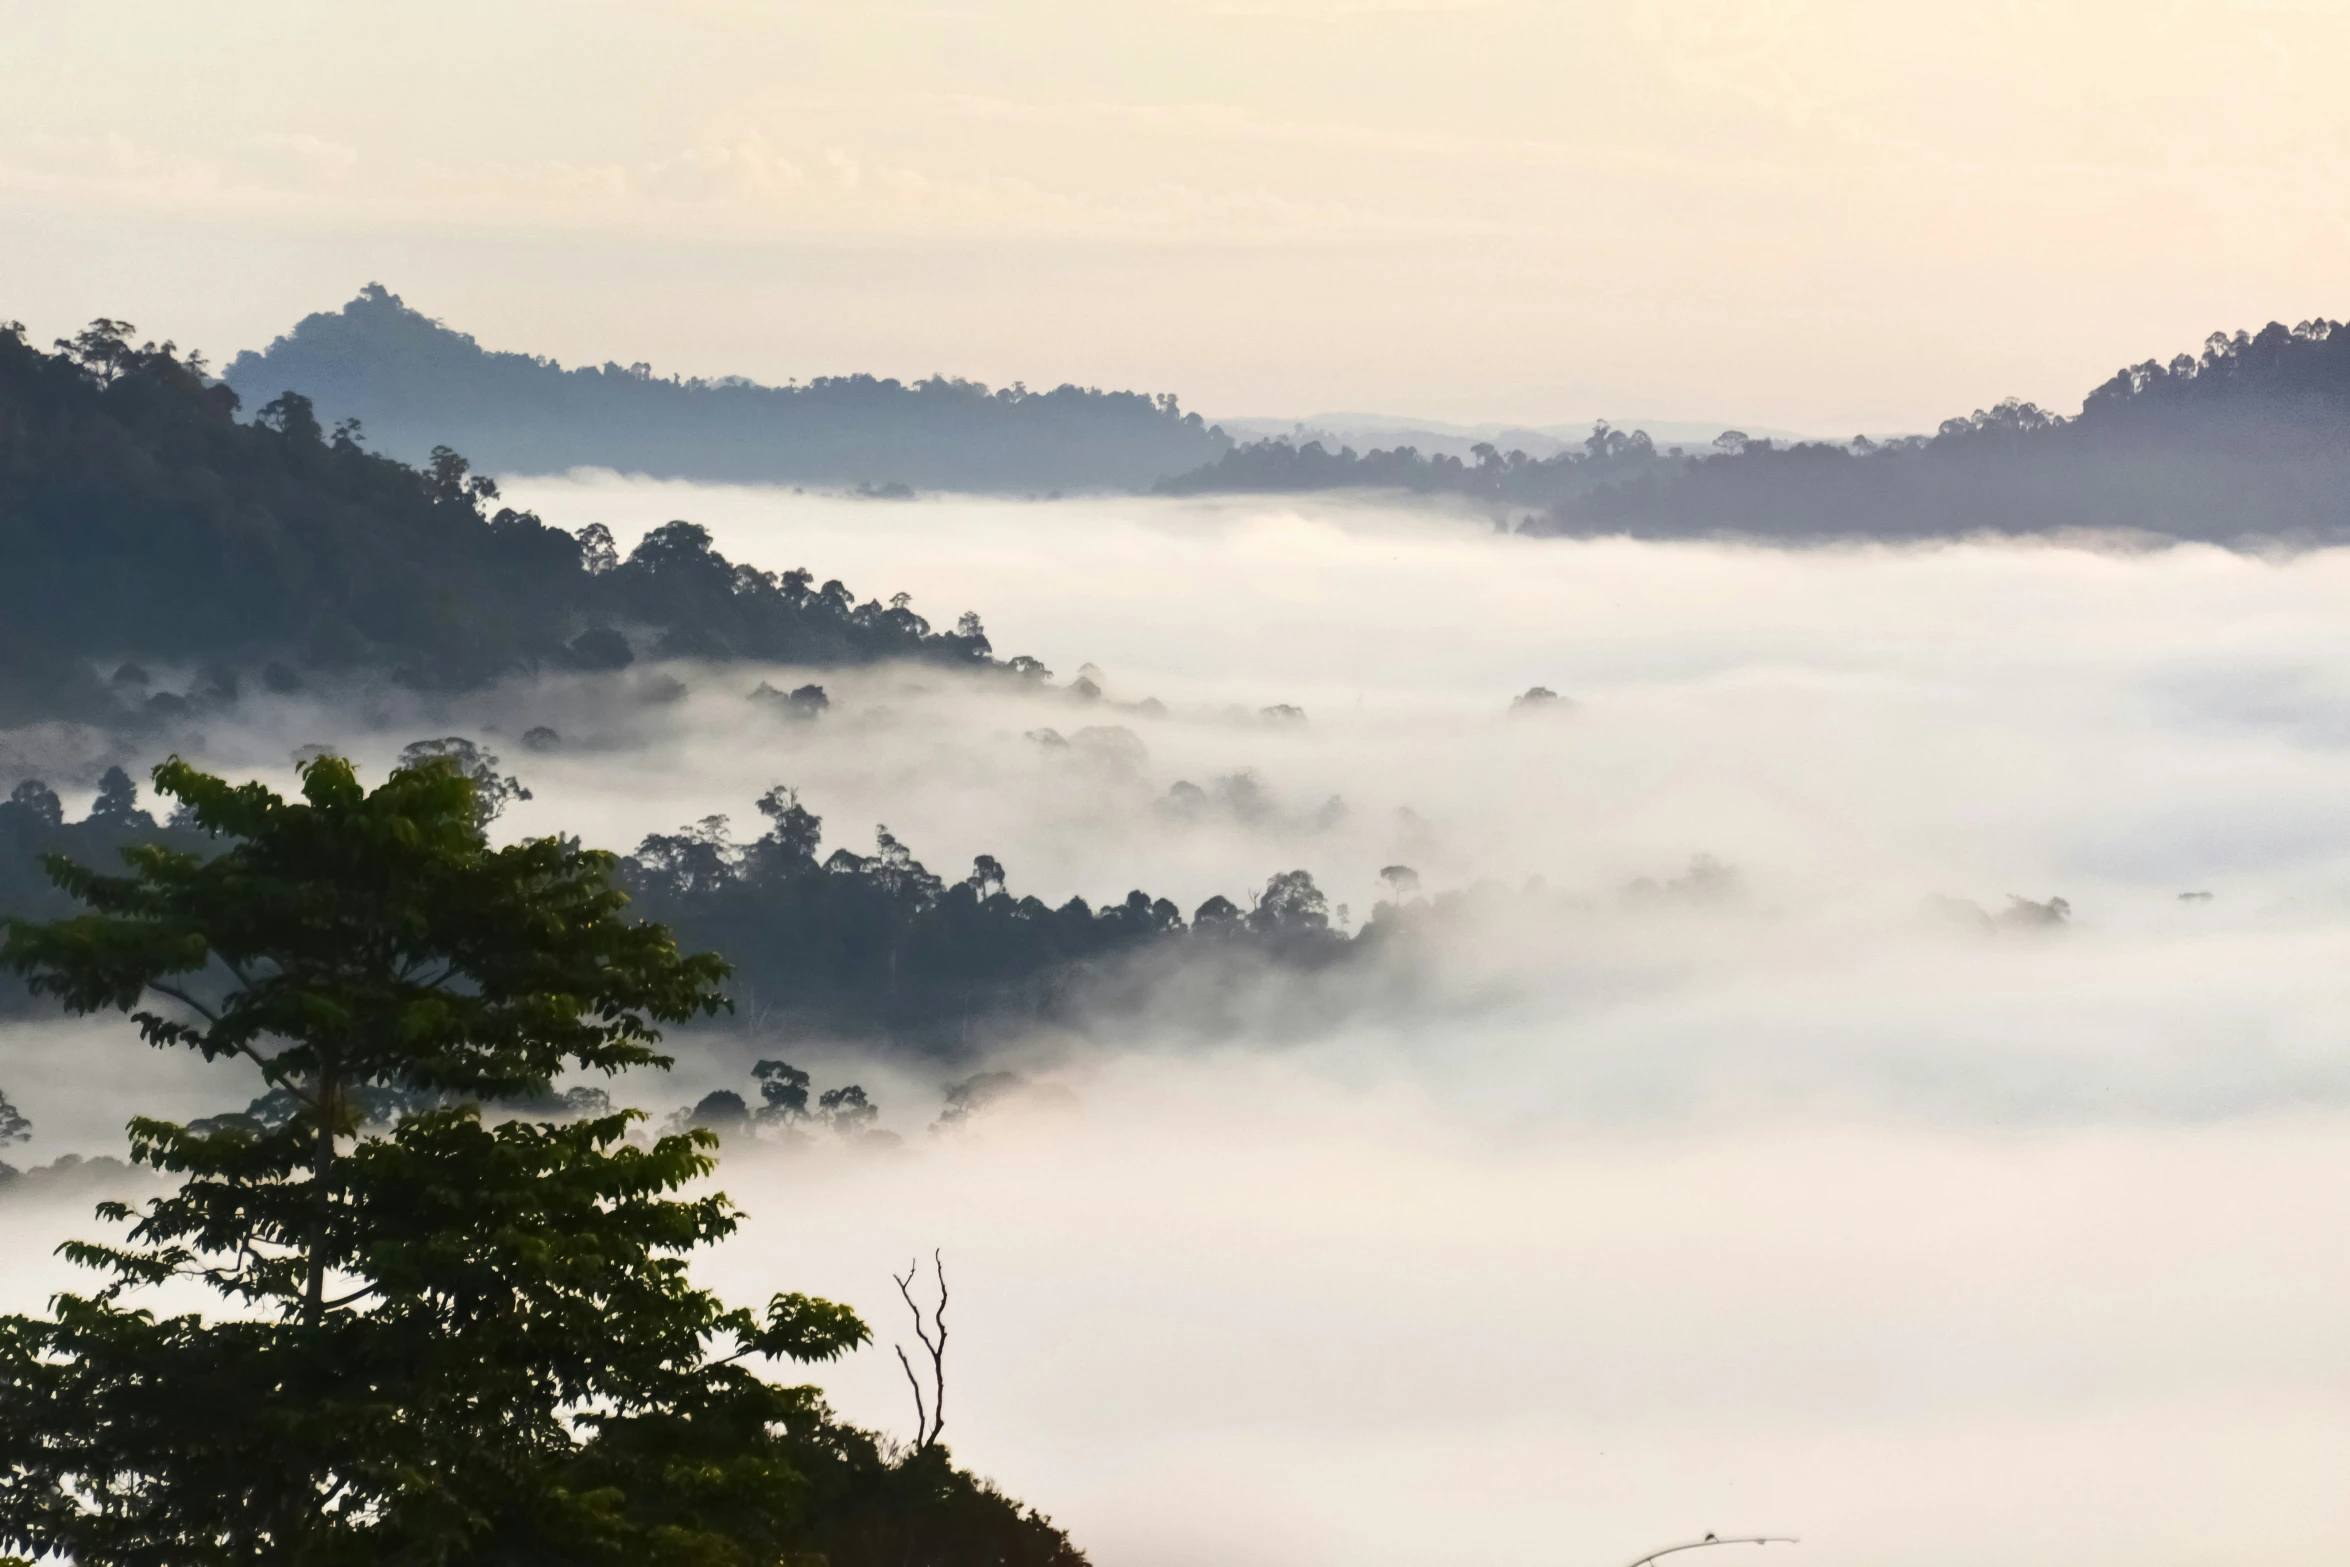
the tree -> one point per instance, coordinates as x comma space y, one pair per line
1290, 903
103, 350
118, 802
453, 1342
38, 804
783, 1091
493, 790
291, 415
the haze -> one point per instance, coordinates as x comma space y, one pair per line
1824, 217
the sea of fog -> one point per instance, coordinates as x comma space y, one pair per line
1786, 1196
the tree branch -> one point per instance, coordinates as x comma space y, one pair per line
243, 1047
185, 1000
938, 1356
927, 1425
921, 1416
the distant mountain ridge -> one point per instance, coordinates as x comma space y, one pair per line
1438, 437
2246, 443
415, 383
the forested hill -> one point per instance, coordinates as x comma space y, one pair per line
416, 384
2248, 440
140, 519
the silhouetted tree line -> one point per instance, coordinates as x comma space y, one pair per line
859, 945
1281, 465
2248, 440
417, 383
880, 948
139, 519
880, 945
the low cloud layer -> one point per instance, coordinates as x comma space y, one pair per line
1789, 1189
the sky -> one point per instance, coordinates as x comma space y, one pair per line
1826, 216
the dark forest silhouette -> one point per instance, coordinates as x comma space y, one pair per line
2248, 441
141, 520
418, 384
879, 946
859, 946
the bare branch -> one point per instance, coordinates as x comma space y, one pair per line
921, 1416
938, 1356
1715, 1539
243, 1047
185, 1000
928, 1424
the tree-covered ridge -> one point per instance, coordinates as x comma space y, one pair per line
864, 946
140, 519
450, 1339
2282, 382
2248, 440
1280, 465
880, 946
419, 384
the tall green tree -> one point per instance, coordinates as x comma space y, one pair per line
455, 1341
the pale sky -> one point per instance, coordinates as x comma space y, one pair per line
1827, 216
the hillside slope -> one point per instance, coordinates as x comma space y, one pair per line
140, 519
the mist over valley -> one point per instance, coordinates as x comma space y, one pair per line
1857, 859
765, 862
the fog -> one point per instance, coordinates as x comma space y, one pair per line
1777, 1198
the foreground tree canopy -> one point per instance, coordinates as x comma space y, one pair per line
140, 519
447, 1341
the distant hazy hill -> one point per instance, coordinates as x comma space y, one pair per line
2248, 440
1436, 438
415, 384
